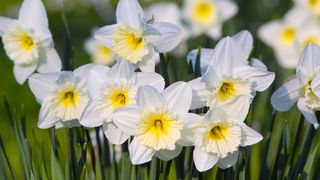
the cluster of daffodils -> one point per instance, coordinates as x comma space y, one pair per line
129, 100
289, 36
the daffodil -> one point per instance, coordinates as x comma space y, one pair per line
283, 35
63, 96
28, 41
135, 37
228, 79
111, 89
311, 5
304, 88
207, 16
99, 53
217, 138
156, 122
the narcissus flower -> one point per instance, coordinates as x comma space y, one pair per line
28, 41
99, 53
304, 88
111, 89
156, 122
135, 38
229, 81
311, 5
217, 138
63, 96
207, 16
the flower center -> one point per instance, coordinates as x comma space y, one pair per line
218, 132
205, 12
68, 97
119, 98
105, 51
226, 90
308, 89
26, 42
129, 44
314, 4
288, 35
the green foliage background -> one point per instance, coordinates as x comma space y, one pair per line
290, 148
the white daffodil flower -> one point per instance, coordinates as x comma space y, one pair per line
113, 88
63, 96
282, 35
157, 122
217, 138
228, 80
207, 16
28, 41
311, 5
135, 38
99, 53
304, 88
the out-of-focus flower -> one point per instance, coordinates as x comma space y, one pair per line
173, 15
111, 89
207, 16
311, 5
63, 96
28, 41
228, 79
135, 38
156, 122
288, 36
217, 138
304, 88
99, 53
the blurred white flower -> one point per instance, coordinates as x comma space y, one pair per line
304, 88
113, 88
207, 16
99, 53
135, 38
63, 96
288, 35
156, 122
312, 5
28, 41
217, 138
228, 80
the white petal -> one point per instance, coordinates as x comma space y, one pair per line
33, 13
122, 71
212, 77
42, 85
258, 64
199, 93
140, 153
129, 12
105, 34
227, 9
98, 76
50, 63
228, 55
152, 79
190, 121
228, 161
168, 39
6, 24
309, 62
215, 31
238, 109
286, 96
126, 118
249, 136
149, 98
178, 96
22, 72
114, 134
148, 62
91, 116
308, 113
288, 57
47, 118
269, 31
203, 160
167, 155
205, 58
245, 39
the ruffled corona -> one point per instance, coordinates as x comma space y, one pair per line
204, 12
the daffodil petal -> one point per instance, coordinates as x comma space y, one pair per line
308, 113
105, 34
91, 117
205, 58
249, 136
6, 24
98, 76
228, 161
149, 98
152, 79
178, 96
47, 118
129, 12
199, 93
168, 39
215, 31
309, 62
287, 95
50, 63
228, 9
245, 39
269, 31
140, 153
190, 121
22, 72
126, 118
122, 71
114, 134
167, 155
42, 85
203, 160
